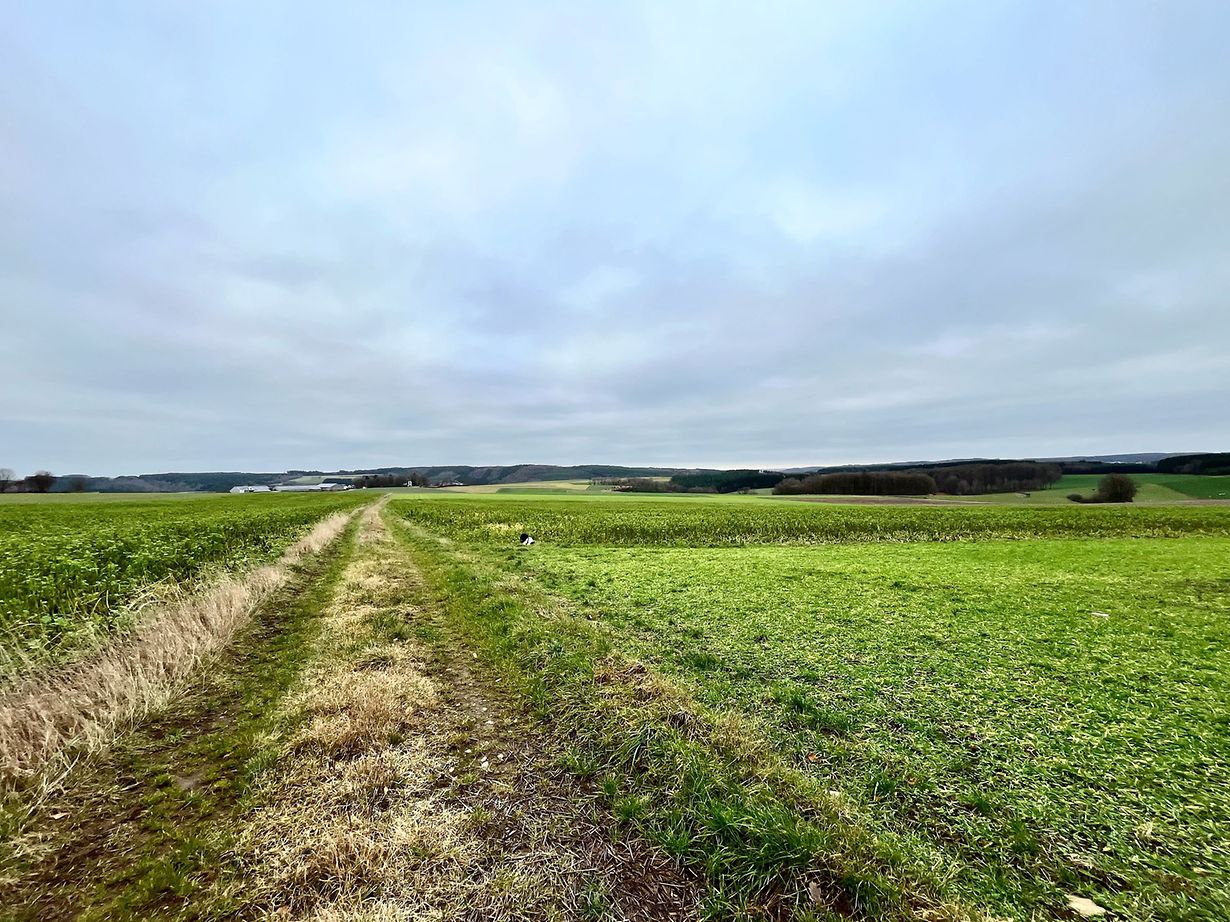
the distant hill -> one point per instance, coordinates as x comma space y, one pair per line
178, 482
521, 473
1145, 458
1211, 463
1142, 457
222, 481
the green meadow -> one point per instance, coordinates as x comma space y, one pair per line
1197, 487
1153, 488
974, 710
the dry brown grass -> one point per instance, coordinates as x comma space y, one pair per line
405, 792
53, 717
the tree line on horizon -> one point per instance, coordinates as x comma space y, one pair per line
38, 482
955, 480
859, 483
390, 480
737, 481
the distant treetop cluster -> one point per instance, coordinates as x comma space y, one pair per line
954, 479
1113, 488
38, 482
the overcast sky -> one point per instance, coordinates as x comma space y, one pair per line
258, 236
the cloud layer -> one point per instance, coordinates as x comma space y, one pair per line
239, 236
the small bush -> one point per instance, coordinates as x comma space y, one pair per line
1117, 488
1113, 488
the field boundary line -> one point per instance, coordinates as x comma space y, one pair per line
55, 717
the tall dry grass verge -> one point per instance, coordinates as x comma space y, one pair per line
403, 791
53, 718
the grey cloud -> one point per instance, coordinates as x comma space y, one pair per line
528, 236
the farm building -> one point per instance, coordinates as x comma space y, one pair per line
311, 487
251, 488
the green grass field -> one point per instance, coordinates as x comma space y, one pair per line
1154, 488
1197, 487
986, 707
71, 563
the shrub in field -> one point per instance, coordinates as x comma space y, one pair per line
644, 485
1113, 488
1117, 488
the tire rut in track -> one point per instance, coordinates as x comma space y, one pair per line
412, 787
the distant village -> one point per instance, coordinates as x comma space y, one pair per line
329, 487
333, 486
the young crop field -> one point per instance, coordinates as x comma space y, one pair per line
694, 521
69, 569
986, 708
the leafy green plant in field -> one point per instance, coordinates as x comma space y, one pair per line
67, 570
703, 523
